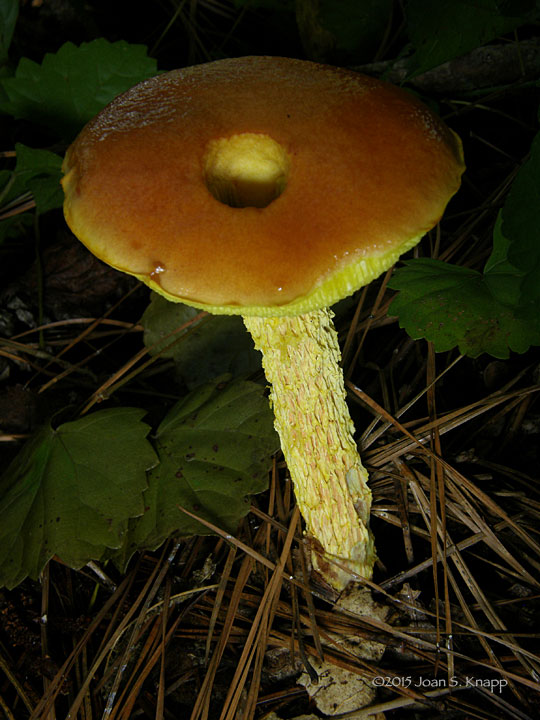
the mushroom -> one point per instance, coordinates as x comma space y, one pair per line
271, 188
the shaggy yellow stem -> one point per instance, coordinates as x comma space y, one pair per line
301, 360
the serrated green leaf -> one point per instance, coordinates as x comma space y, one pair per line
39, 171
15, 226
441, 30
454, 306
215, 449
357, 25
9, 12
72, 85
274, 5
212, 346
503, 279
71, 491
494, 311
521, 223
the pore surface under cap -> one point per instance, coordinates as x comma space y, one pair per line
370, 170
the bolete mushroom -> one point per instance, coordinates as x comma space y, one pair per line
271, 188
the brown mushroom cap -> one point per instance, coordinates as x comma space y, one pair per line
365, 171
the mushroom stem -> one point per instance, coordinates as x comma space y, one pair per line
301, 359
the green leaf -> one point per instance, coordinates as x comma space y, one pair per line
275, 6
15, 226
503, 278
39, 171
70, 492
521, 224
72, 85
494, 311
209, 347
9, 12
521, 220
441, 30
450, 305
357, 25
215, 449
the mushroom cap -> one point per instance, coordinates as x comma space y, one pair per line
367, 171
